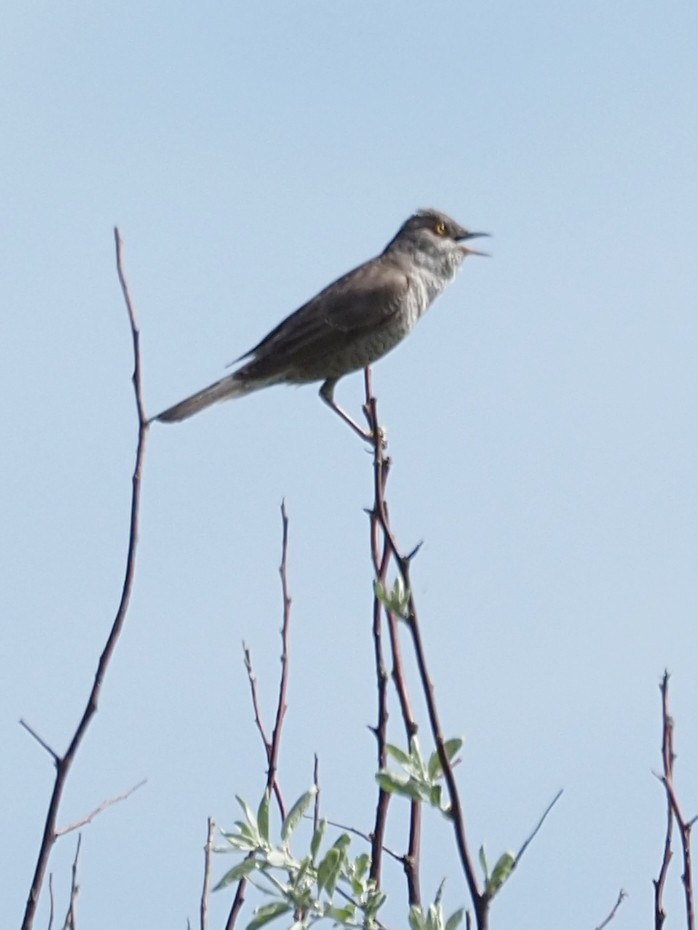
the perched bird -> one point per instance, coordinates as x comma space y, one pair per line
353, 321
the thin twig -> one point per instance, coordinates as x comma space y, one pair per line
259, 723
366, 836
684, 826
44, 745
51, 907
537, 827
98, 810
69, 922
271, 747
622, 895
205, 891
667, 765
316, 783
238, 901
64, 763
283, 681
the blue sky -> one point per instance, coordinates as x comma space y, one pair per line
542, 423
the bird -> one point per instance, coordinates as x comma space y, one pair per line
352, 322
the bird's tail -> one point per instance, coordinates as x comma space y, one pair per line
228, 387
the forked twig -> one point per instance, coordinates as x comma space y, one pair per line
63, 763
271, 747
674, 814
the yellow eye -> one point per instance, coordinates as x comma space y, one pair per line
440, 229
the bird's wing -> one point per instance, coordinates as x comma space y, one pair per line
362, 300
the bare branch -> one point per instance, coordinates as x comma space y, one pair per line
366, 836
537, 827
69, 922
271, 747
673, 813
622, 895
98, 810
380, 468
44, 745
316, 783
283, 681
64, 763
238, 901
205, 891
381, 554
667, 765
51, 908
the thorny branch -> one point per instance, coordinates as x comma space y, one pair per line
271, 747
63, 763
379, 516
384, 549
674, 815
381, 553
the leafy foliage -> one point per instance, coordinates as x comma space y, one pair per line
314, 887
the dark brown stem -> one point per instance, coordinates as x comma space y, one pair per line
271, 747
380, 514
64, 763
667, 765
381, 555
526, 843
684, 826
238, 901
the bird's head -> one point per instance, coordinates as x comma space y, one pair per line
433, 237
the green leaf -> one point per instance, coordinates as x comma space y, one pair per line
396, 601
483, 863
295, 815
398, 755
374, 904
434, 921
341, 915
239, 842
455, 918
500, 873
394, 784
238, 871
249, 816
451, 747
246, 832
268, 912
263, 818
415, 918
328, 871
435, 796
317, 839
361, 865
279, 858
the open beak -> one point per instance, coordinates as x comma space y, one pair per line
466, 250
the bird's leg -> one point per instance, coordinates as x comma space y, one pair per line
327, 394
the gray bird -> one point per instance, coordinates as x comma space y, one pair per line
353, 321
